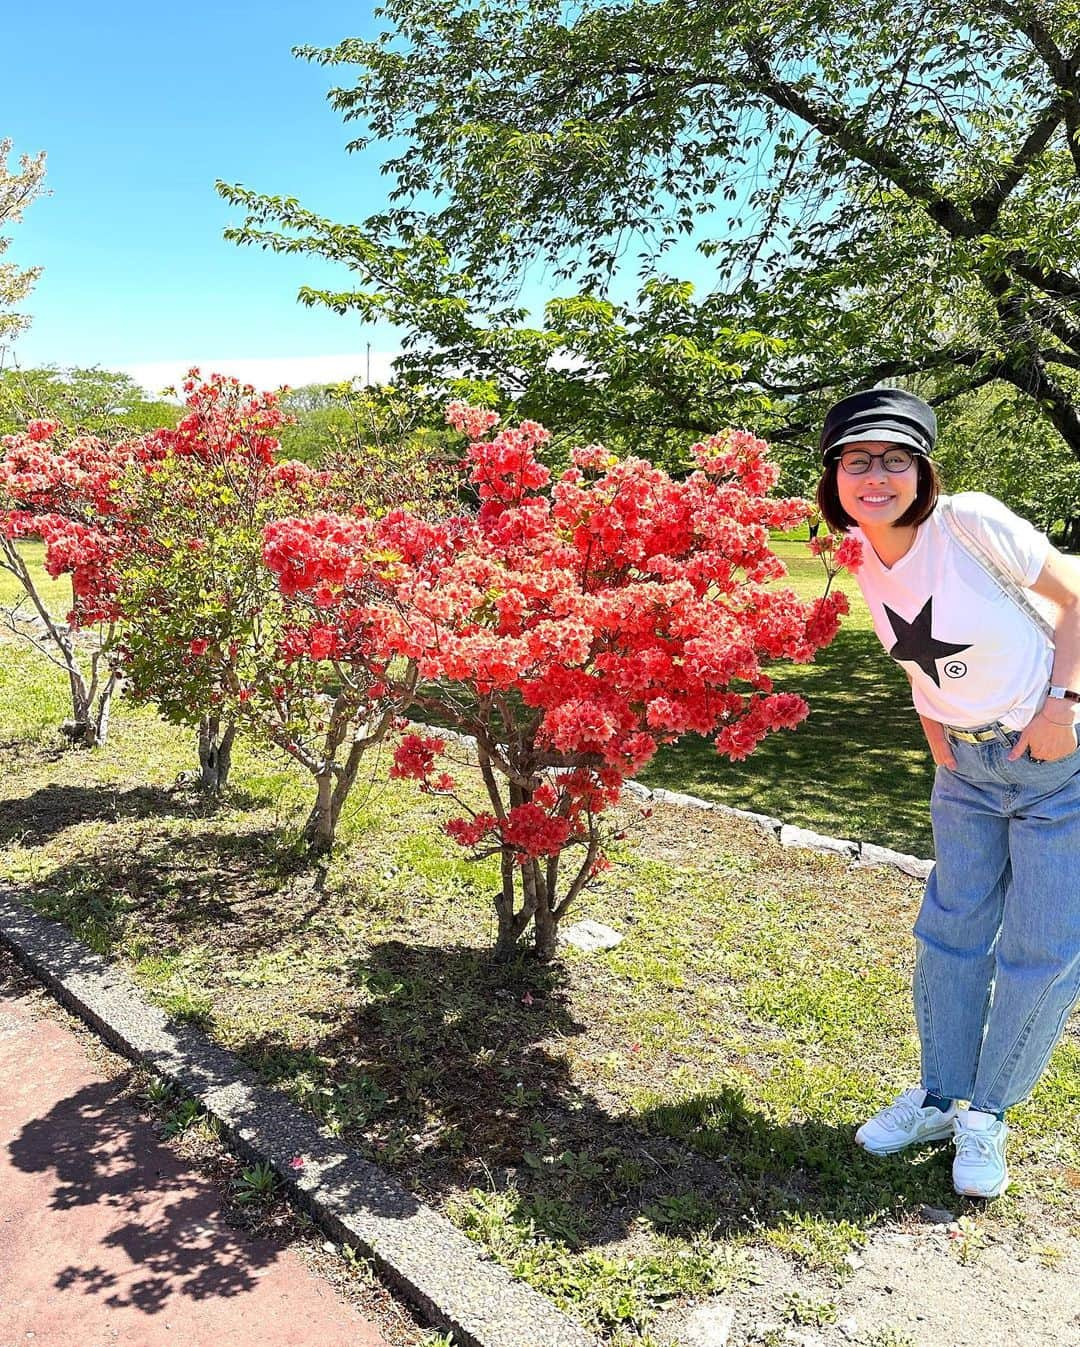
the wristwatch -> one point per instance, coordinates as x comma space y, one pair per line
1063, 694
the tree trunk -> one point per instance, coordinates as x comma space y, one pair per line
215, 753
322, 821
546, 927
332, 786
508, 932
90, 713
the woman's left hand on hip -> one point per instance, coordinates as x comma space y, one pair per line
1046, 740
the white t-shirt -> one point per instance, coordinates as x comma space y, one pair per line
973, 656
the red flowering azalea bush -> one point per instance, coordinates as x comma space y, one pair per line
571, 627
62, 489
208, 634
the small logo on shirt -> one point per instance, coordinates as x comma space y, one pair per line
956, 668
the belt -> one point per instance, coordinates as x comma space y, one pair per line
973, 736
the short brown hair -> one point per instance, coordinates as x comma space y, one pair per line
920, 509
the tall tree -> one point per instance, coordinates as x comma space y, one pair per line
885, 189
17, 190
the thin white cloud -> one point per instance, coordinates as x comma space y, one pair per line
268, 371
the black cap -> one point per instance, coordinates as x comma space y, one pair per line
888, 415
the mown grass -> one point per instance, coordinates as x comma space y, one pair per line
624, 1131
857, 767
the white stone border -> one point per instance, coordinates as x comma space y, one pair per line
787, 834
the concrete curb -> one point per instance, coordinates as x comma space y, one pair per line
788, 835
418, 1251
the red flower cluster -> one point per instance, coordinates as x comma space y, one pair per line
837, 550
616, 611
532, 831
415, 756
67, 492
226, 421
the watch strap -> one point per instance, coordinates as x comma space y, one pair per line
1063, 694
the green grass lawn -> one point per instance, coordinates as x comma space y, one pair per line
857, 767
625, 1131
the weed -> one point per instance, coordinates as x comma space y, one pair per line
809, 1313
179, 1119
889, 1337
360, 1267
681, 1211
968, 1240
819, 1243
554, 1218
158, 1092
194, 1008
257, 1184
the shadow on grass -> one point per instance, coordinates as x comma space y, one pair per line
34, 820
452, 1074
857, 767
211, 882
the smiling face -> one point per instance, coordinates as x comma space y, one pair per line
876, 498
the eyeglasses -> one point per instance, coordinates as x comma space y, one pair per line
858, 461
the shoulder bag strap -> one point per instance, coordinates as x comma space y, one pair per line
1004, 582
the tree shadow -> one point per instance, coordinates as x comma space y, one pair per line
206, 879
453, 1074
43, 752
35, 820
166, 1235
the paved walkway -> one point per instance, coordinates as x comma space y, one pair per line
107, 1239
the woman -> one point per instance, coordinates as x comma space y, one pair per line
998, 934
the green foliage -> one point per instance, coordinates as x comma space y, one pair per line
85, 401
331, 422
996, 441
883, 192
17, 191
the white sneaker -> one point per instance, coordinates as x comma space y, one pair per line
906, 1123
979, 1169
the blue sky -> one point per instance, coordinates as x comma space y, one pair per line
140, 108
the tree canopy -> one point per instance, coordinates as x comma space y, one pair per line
85, 401
884, 191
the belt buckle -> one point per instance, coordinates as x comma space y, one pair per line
972, 736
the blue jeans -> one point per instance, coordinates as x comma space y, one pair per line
998, 935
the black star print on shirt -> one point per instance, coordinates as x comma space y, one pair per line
915, 641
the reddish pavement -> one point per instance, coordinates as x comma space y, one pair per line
107, 1239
